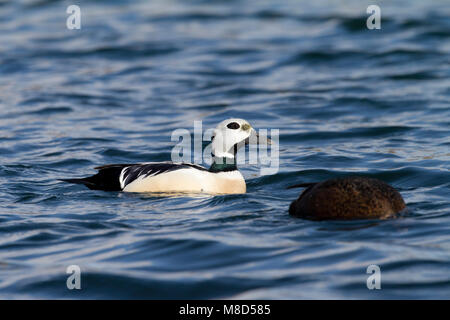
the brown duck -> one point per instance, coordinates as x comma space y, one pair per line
346, 199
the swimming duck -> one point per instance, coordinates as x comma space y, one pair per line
223, 177
347, 198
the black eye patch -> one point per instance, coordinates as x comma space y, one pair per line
233, 125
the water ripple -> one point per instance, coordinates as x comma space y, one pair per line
347, 101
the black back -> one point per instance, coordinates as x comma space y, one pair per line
106, 179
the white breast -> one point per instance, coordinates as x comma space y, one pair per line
190, 180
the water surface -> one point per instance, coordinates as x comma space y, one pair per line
347, 100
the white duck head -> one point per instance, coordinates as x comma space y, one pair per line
231, 134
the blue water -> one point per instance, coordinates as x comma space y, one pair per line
347, 100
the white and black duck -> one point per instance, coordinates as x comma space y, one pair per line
223, 177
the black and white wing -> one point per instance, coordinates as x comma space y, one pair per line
151, 169
115, 177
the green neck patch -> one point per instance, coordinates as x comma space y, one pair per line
223, 164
